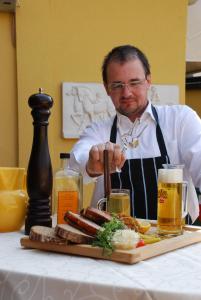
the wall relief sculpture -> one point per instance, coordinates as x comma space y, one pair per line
87, 102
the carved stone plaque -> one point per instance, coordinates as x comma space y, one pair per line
163, 94
84, 103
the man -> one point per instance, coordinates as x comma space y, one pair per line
140, 138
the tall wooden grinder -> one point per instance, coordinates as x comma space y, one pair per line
39, 172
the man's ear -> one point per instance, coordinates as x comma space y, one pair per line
149, 79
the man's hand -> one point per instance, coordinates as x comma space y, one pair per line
94, 166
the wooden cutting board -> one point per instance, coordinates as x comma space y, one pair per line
191, 235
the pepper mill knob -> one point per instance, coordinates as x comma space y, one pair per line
39, 172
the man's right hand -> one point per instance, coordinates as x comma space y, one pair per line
95, 167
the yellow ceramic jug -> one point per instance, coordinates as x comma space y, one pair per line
13, 199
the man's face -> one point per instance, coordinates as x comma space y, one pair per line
130, 99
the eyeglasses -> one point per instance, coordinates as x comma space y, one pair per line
131, 85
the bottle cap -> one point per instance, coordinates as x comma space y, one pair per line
64, 155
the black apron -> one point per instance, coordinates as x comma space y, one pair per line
141, 176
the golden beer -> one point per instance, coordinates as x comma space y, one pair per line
119, 202
172, 196
169, 220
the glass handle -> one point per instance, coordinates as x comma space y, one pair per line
101, 203
184, 199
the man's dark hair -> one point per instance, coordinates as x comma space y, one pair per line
123, 54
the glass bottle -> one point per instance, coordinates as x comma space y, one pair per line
68, 187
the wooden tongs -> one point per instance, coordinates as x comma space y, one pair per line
107, 180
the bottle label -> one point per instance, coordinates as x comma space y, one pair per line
67, 200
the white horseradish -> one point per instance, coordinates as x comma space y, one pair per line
125, 239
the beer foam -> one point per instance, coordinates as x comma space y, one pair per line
170, 175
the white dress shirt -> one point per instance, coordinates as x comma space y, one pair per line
181, 128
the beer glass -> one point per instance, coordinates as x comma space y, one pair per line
172, 200
118, 202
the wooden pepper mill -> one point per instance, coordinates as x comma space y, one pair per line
39, 173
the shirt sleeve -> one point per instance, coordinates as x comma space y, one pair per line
95, 133
190, 144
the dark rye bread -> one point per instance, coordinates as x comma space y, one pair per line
96, 215
81, 223
72, 234
45, 235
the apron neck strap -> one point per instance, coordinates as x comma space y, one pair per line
159, 136
113, 133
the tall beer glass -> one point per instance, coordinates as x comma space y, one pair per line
172, 194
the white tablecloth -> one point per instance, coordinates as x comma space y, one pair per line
27, 274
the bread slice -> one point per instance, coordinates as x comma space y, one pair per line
81, 223
45, 235
72, 234
96, 215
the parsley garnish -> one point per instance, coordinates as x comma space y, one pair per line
104, 236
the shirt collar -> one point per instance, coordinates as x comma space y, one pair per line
148, 112
124, 122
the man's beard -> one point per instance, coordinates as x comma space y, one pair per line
125, 113
138, 111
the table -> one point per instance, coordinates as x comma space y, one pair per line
27, 274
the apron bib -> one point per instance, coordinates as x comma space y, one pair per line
140, 176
